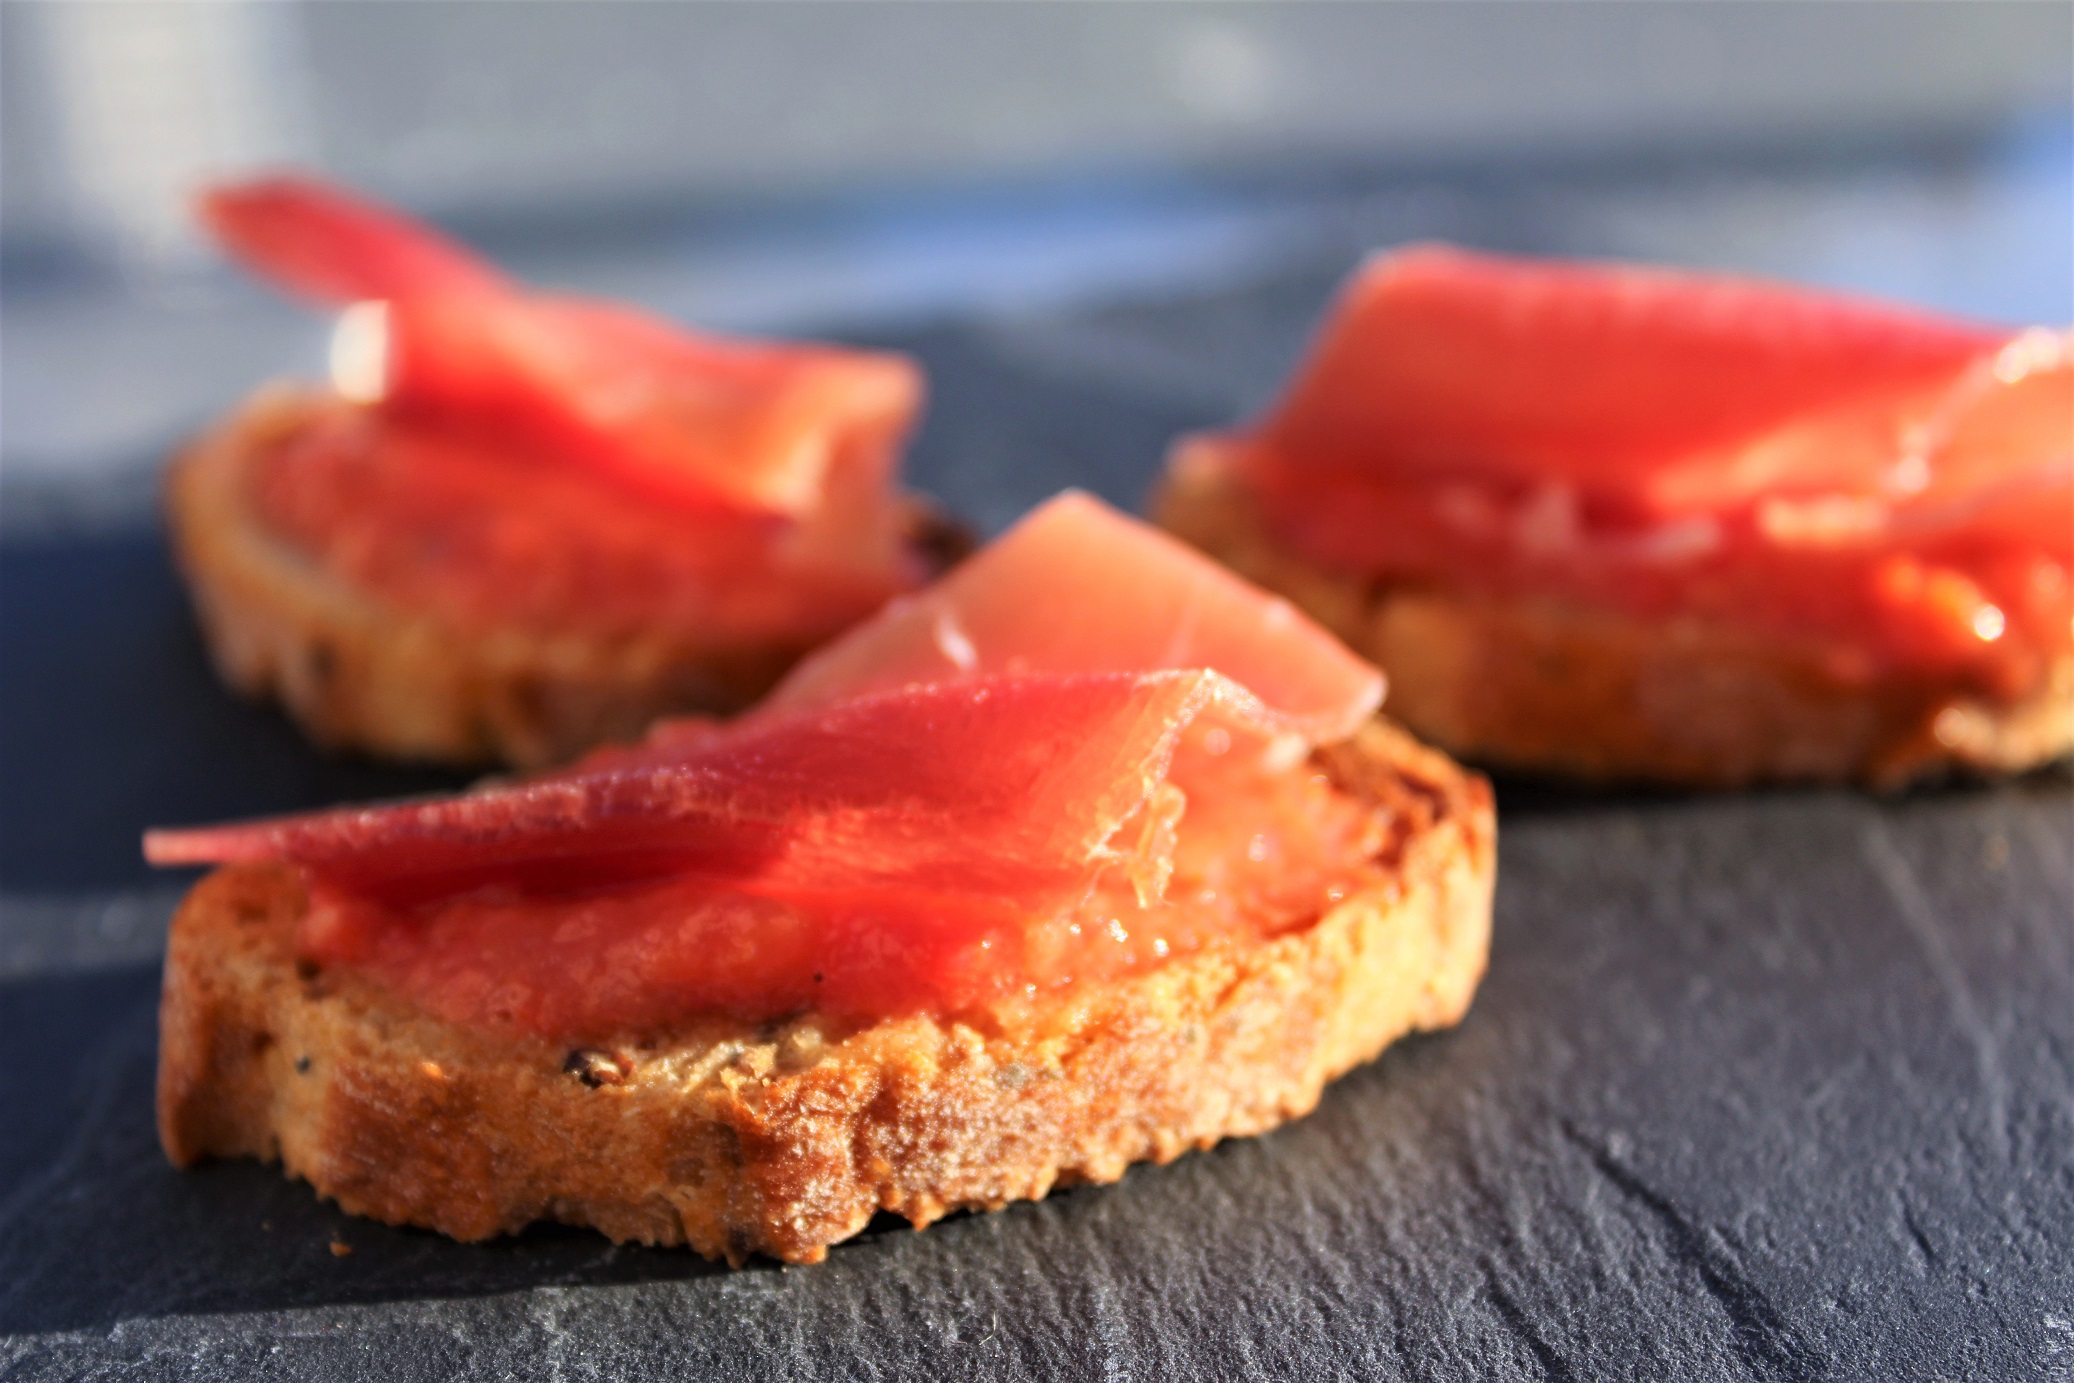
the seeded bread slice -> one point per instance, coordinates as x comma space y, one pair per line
1554, 686
358, 672
785, 1138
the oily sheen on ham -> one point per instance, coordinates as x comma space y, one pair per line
1885, 484
934, 844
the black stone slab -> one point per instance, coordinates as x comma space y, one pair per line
1773, 1086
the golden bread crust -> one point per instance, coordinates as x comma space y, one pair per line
787, 1137
1553, 686
357, 672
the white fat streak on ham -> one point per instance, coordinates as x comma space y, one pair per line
951, 640
359, 355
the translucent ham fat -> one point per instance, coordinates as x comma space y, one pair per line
1891, 486
777, 430
1078, 587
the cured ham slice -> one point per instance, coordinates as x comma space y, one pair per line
1010, 789
336, 249
1643, 385
926, 848
1078, 587
763, 429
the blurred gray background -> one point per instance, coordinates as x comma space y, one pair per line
868, 166
114, 108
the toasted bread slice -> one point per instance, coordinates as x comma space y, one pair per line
785, 1138
357, 672
1553, 686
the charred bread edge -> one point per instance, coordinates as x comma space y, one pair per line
1554, 686
785, 1138
357, 672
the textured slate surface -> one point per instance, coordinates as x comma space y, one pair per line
1776, 1086
1772, 1087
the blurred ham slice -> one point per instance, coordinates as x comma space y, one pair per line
767, 429
1642, 386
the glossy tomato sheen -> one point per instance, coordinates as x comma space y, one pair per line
1922, 600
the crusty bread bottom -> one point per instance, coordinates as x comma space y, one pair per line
359, 673
1552, 686
785, 1138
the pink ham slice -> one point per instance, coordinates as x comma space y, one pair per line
332, 248
763, 428
1078, 587
1008, 789
1634, 384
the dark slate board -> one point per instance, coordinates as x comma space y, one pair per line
1777, 1086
